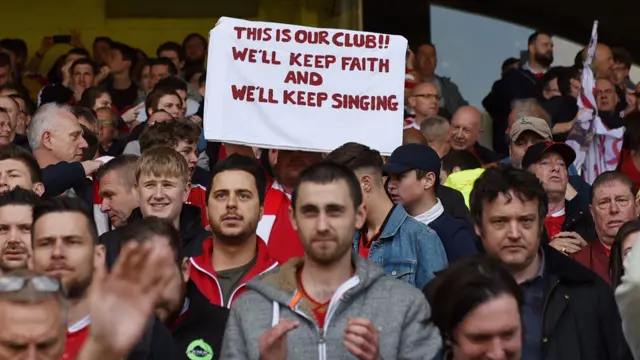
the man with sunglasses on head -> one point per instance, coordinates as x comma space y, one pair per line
34, 308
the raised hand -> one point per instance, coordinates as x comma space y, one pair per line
122, 302
273, 342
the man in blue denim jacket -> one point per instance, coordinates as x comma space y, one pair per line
407, 249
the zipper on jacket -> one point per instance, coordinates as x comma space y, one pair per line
333, 304
322, 346
228, 305
544, 308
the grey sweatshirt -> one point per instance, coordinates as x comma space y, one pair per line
399, 312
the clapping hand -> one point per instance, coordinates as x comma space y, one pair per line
123, 301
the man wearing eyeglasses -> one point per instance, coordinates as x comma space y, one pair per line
425, 102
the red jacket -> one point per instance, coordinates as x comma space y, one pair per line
204, 276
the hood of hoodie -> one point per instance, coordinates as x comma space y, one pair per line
281, 284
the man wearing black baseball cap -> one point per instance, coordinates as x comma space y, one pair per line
568, 223
414, 170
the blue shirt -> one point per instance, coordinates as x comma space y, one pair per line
534, 292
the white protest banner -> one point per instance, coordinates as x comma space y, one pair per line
301, 88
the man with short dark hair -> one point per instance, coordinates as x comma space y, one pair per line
161, 68
123, 90
566, 307
235, 253
18, 168
521, 83
389, 233
16, 207
621, 68
172, 51
65, 246
290, 312
83, 75
197, 325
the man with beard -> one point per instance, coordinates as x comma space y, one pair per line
197, 325
235, 254
65, 246
16, 207
376, 317
521, 83
275, 226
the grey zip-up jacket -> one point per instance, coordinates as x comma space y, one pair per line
398, 310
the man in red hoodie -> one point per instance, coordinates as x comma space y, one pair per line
234, 254
275, 226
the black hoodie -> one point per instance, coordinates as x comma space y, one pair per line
191, 232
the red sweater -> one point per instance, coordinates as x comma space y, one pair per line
595, 257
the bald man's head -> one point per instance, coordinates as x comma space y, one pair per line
603, 60
466, 128
424, 100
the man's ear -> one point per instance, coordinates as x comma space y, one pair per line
46, 140
429, 180
366, 183
99, 255
456, 169
38, 188
185, 269
187, 189
292, 218
412, 101
361, 216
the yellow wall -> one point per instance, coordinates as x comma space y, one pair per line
33, 19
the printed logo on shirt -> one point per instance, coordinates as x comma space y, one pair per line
199, 350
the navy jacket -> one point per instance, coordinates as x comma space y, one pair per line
458, 239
